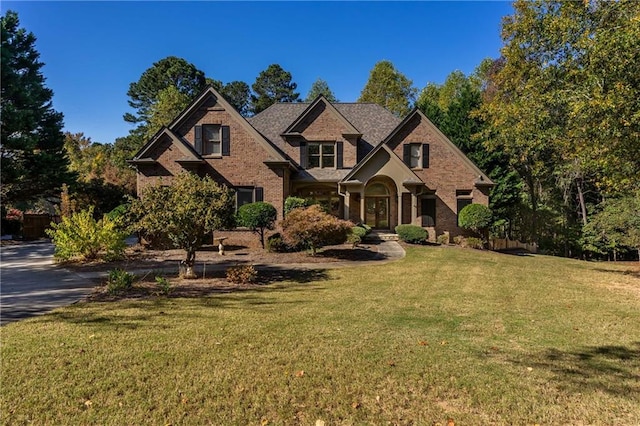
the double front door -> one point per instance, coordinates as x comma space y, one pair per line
377, 212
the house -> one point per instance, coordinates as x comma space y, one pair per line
357, 159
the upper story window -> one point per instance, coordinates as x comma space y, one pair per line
321, 154
211, 139
416, 155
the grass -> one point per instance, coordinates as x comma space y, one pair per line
477, 337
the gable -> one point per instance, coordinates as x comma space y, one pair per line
162, 141
321, 120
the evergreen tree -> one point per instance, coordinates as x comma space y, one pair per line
34, 163
272, 85
238, 94
320, 87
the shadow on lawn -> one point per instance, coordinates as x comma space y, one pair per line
608, 368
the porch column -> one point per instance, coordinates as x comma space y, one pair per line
399, 207
362, 217
347, 198
414, 206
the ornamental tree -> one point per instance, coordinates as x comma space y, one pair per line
475, 217
314, 228
258, 217
185, 213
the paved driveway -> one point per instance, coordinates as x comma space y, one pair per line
31, 284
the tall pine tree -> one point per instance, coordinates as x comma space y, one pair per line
34, 163
272, 85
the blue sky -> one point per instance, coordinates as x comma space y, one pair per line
93, 50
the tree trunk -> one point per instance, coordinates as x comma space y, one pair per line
189, 264
583, 207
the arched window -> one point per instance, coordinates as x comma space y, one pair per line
376, 189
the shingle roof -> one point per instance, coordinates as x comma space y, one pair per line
372, 120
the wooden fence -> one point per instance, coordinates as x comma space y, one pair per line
34, 225
506, 244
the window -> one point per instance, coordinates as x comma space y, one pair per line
462, 203
428, 211
322, 155
328, 198
211, 140
248, 195
416, 155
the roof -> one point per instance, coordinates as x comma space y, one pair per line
372, 120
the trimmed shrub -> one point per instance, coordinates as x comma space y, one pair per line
358, 231
444, 239
412, 234
242, 274
475, 217
354, 240
314, 228
258, 217
80, 236
459, 240
119, 281
292, 203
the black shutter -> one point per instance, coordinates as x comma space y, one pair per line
339, 156
303, 155
425, 155
198, 139
226, 140
259, 194
406, 154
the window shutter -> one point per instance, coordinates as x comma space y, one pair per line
303, 155
339, 156
198, 139
259, 194
425, 155
406, 154
226, 140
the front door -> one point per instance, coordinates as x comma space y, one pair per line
377, 212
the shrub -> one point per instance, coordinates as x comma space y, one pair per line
276, 244
354, 239
314, 228
258, 217
358, 231
459, 240
475, 243
292, 203
119, 281
475, 217
164, 285
444, 239
411, 234
242, 274
81, 236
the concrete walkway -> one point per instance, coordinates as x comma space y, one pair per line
32, 284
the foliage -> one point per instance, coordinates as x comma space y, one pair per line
320, 87
389, 88
258, 217
354, 239
169, 102
315, 228
358, 231
238, 94
294, 203
34, 163
458, 240
615, 226
475, 217
164, 285
98, 193
474, 243
411, 234
242, 274
186, 212
119, 281
444, 239
83, 237
271, 86
170, 71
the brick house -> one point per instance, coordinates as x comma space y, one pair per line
358, 160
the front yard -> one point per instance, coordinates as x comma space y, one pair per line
446, 333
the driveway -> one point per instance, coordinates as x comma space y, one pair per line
31, 284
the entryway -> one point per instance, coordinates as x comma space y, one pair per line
377, 206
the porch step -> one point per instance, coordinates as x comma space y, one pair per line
381, 236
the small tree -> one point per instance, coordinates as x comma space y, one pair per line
294, 203
258, 217
315, 228
185, 212
477, 218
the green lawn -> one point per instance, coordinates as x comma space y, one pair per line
477, 337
